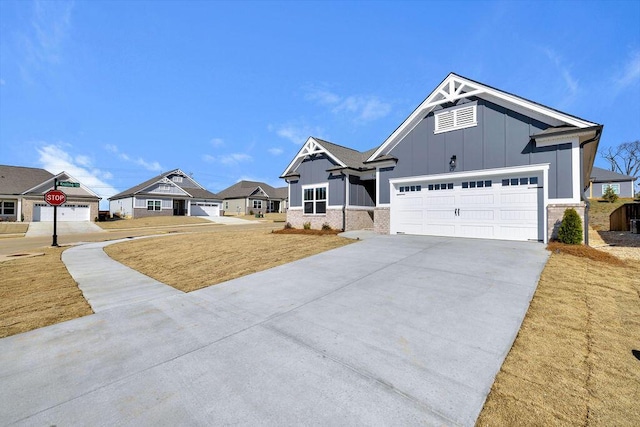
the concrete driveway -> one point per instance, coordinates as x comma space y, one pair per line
392, 330
45, 228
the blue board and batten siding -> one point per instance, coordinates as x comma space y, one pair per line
500, 139
314, 171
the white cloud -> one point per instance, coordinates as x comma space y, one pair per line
363, 108
151, 166
42, 44
83, 160
228, 159
54, 159
217, 142
275, 151
631, 72
297, 134
572, 85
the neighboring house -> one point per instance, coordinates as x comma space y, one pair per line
172, 193
601, 179
470, 161
245, 197
22, 192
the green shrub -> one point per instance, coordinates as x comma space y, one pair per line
251, 212
326, 226
609, 195
307, 226
570, 231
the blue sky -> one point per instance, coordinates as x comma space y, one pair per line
115, 92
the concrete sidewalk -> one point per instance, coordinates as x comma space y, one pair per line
106, 283
44, 228
392, 330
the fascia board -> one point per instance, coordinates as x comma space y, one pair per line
298, 155
429, 103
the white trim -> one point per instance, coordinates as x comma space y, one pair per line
455, 121
360, 208
576, 179
311, 147
324, 185
295, 208
548, 141
469, 174
384, 205
452, 89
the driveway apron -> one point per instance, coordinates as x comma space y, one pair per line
392, 330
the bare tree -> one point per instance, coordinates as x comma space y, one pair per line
625, 158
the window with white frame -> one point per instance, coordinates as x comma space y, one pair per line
615, 187
257, 204
176, 178
315, 200
7, 207
459, 118
164, 187
154, 205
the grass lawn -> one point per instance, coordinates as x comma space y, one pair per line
206, 259
599, 212
157, 221
13, 227
37, 292
273, 217
572, 362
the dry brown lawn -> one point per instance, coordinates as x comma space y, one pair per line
158, 221
572, 362
13, 227
599, 212
190, 262
37, 292
270, 217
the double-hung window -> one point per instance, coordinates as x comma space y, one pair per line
257, 204
154, 205
315, 200
7, 208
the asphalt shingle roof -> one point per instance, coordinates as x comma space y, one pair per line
244, 189
195, 192
603, 175
352, 158
18, 179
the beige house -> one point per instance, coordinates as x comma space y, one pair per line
245, 197
22, 192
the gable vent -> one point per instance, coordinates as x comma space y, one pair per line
456, 119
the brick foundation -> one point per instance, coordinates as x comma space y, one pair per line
333, 218
382, 218
361, 219
554, 217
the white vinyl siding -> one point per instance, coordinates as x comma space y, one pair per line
459, 118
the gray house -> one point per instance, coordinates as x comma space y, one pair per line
469, 161
22, 192
172, 193
245, 197
601, 179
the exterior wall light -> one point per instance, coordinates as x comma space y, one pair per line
452, 163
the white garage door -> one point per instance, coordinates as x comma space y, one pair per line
498, 207
205, 209
67, 212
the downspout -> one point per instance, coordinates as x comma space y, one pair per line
584, 189
344, 205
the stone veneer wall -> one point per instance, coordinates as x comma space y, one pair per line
144, 213
333, 217
381, 223
359, 219
554, 217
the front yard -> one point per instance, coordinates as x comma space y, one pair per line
157, 221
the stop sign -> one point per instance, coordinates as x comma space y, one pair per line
55, 197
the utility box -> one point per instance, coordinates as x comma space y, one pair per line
635, 226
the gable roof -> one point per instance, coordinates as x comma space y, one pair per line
198, 192
344, 157
244, 189
604, 175
17, 179
455, 87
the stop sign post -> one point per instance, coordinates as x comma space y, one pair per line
55, 198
